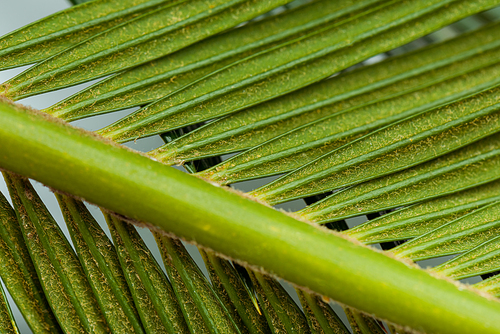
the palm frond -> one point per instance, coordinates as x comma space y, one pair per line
63, 280
415, 134
101, 265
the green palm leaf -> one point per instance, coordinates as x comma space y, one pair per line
415, 134
58, 269
63, 30
471, 166
338, 103
424, 217
287, 67
157, 79
101, 265
150, 36
19, 275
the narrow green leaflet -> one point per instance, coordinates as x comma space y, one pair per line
222, 294
179, 264
490, 285
395, 147
102, 267
272, 318
154, 298
280, 305
189, 308
320, 316
363, 324
19, 274
154, 80
368, 84
7, 322
53, 34
60, 273
424, 217
468, 167
483, 259
148, 37
233, 293
321, 139
455, 237
291, 66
